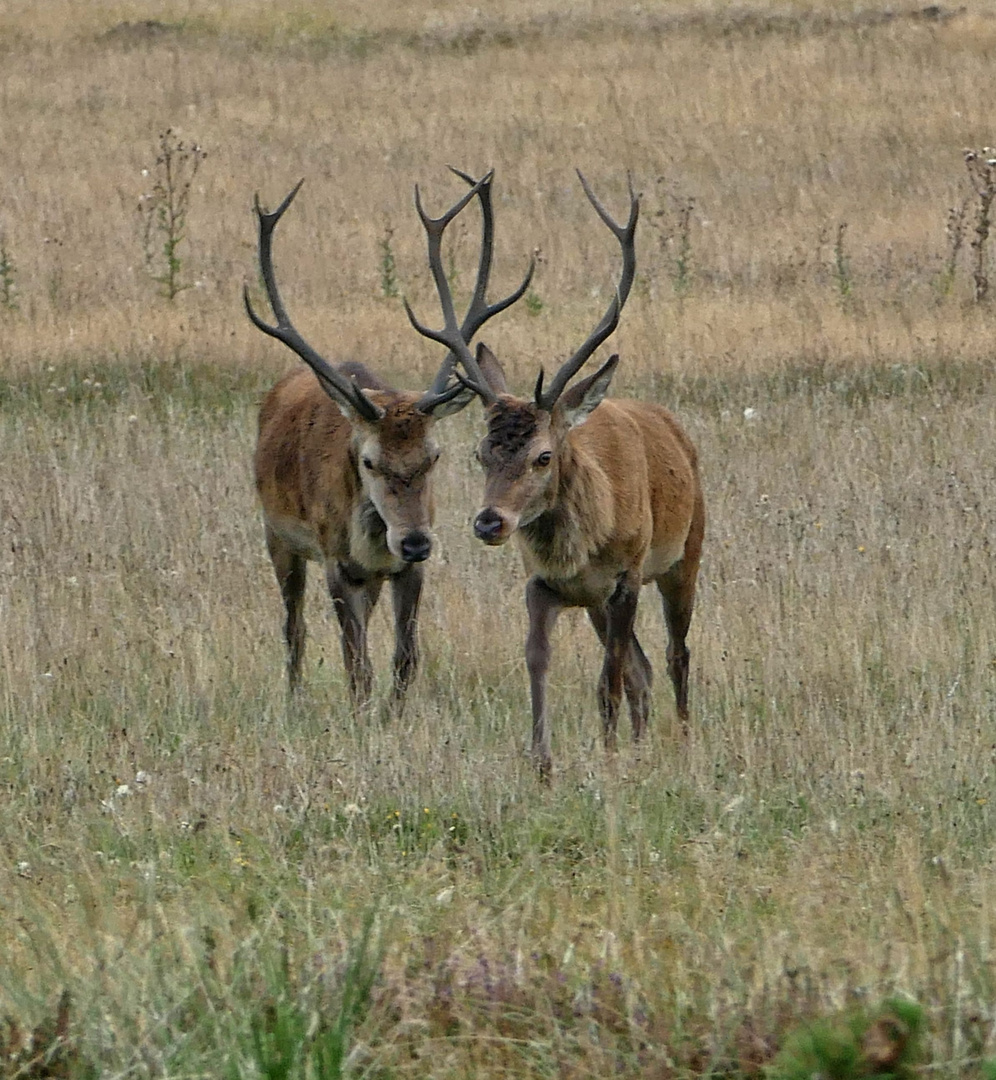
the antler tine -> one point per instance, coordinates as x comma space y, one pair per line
334, 384
479, 310
451, 335
626, 235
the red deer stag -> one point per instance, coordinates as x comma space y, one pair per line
343, 468
603, 496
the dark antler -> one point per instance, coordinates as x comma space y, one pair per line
338, 387
626, 235
479, 311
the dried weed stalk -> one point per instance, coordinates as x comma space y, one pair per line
163, 211
981, 166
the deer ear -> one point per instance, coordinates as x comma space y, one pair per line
491, 368
579, 401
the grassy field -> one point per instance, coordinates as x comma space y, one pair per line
227, 885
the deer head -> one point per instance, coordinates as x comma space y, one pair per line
526, 443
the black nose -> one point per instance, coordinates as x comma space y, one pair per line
487, 525
416, 547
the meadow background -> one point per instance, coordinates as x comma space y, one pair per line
227, 886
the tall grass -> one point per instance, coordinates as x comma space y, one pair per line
230, 885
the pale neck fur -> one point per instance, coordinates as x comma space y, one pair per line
562, 540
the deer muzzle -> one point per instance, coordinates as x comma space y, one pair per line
492, 527
416, 546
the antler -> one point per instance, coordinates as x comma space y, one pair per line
334, 384
479, 310
626, 235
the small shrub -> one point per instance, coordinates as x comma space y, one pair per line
855, 1046
293, 1030
534, 303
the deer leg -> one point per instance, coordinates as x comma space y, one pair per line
620, 615
543, 606
677, 589
291, 570
353, 601
638, 675
638, 692
406, 591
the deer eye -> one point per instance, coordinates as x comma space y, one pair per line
543, 460
368, 464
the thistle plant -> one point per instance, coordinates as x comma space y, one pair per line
955, 231
673, 224
981, 166
842, 266
388, 265
8, 292
163, 211
682, 275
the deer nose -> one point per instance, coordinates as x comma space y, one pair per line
488, 525
416, 547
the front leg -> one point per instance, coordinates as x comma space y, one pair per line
620, 618
353, 600
406, 592
543, 606
638, 675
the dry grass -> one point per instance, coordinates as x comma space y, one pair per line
826, 830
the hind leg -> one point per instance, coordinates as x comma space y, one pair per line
291, 572
638, 675
677, 589
620, 615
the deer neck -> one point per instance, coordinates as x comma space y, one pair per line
563, 539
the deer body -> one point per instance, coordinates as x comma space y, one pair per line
602, 497
625, 498
364, 525
343, 469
